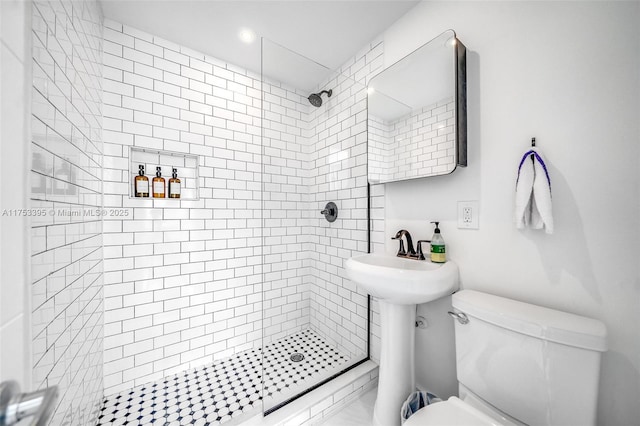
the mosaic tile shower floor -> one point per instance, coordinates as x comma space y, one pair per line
217, 393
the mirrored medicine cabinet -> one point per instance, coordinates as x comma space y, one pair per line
417, 113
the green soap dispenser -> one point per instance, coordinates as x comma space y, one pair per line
438, 253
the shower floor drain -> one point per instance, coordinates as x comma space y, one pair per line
297, 357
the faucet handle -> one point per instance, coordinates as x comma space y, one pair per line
419, 244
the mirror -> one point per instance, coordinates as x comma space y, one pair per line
417, 123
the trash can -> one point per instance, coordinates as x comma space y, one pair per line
416, 401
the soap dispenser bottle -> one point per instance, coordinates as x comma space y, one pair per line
141, 183
438, 253
174, 185
158, 184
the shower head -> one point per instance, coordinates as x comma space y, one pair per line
316, 98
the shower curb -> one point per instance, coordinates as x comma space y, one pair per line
320, 403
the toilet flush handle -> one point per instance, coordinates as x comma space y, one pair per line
460, 316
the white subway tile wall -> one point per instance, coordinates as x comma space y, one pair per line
66, 176
418, 144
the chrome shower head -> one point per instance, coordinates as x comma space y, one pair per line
316, 98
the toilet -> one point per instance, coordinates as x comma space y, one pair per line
518, 364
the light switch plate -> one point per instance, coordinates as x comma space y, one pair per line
468, 215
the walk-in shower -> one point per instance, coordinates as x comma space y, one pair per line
246, 305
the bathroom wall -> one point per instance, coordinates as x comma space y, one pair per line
66, 187
566, 73
15, 111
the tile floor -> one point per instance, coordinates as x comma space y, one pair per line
217, 393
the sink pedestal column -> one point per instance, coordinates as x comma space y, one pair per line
396, 375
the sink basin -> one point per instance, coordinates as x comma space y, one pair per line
402, 281
399, 284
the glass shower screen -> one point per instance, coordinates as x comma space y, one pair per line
313, 129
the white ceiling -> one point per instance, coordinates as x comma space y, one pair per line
327, 32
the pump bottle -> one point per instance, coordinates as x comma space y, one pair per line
141, 183
174, 185
158, 184
438, 253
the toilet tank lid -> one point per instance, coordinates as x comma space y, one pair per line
532, 320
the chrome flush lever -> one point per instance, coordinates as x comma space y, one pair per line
460, 316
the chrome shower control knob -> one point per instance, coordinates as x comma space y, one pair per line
330, 211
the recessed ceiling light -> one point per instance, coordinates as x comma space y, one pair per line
247, 35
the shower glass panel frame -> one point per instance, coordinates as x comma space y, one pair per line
315, 322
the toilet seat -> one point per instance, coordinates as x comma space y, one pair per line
452, 412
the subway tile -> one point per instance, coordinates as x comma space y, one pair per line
118, 62
147, 70
136, 104
175, 79
174, 56
190, 73
166, 65
137, 33
137, 80
137, 56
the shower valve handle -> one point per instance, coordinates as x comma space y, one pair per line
330, 211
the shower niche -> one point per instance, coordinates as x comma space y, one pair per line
417, 113
185, 164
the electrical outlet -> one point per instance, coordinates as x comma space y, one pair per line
468, 215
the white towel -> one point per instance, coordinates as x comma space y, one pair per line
533, 194
524, 192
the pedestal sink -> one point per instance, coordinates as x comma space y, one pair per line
399, 284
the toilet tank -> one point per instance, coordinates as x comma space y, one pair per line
538, 365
